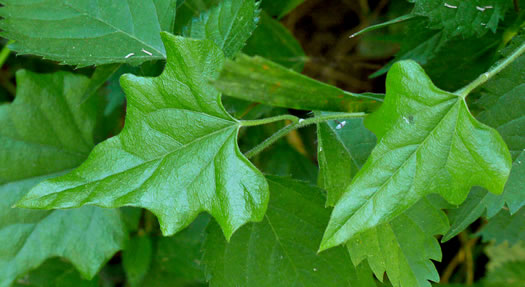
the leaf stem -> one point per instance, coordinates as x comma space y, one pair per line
4, 54
251, 123
463, 92
298, 123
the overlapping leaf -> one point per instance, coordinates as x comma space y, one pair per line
403, 247
504, 98
428, 143
466, 18
84, 32
260, 80
274, 42
54, 273
47, 130
229, 25
343, 149
505, 227
281, 250
177, 155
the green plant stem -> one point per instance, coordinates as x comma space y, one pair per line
493, 71
299, 123
4, 54
265, 121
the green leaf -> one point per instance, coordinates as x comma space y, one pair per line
500, 254
188, 9
428, 143
509, 275
274, 42
505, 227
54, 273
506, 113
284, 160
403, 247
46, 131
281, 250
177, 155
280, 8
229, 25
343, 149
466, 18
177, 259
166, 12
136, 259
83, 32
259, 80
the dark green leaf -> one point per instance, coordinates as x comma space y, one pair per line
229, 25
403, 247
280, 8
281, 250
54, 273
343, 149
505, 227
259, 80
46, 131
177, 259
428, 143
466, 18
166, 12
136, 259
273, 41
175, 170
83, 32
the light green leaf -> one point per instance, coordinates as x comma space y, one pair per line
510, 274
281, 250
344, 147
466, 18
500, 254
504, 98
229, 25
274, 42
84, 32
280, 8
428, 143
177, 155
53, 273
505, 227
403, 247
166, 12
177, 259
259, 80
44, 132
136, 259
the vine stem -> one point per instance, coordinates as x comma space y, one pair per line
463, 92
5, 53
296, 124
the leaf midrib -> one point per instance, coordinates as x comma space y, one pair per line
401, 166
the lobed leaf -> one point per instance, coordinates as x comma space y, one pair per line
45, 132
177, 155
403, 247
84, 32
428, 143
